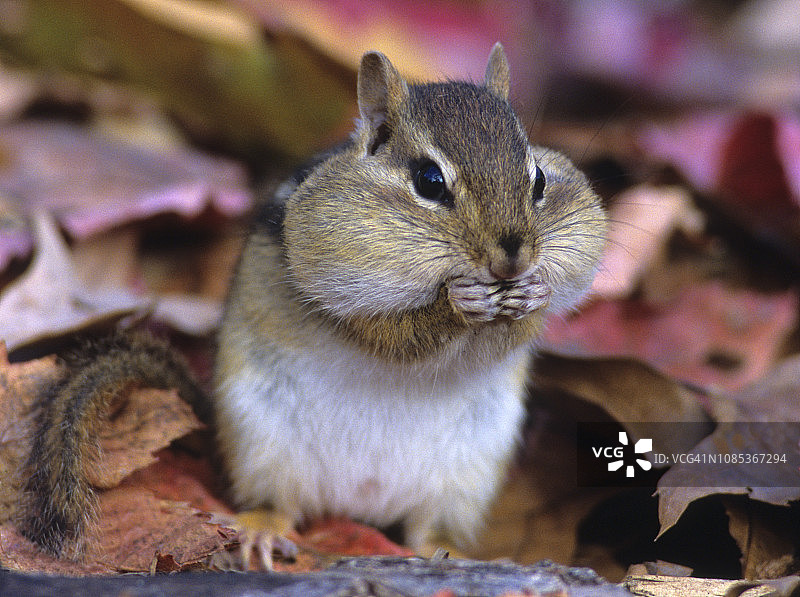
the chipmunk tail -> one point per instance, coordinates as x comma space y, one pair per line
59, 504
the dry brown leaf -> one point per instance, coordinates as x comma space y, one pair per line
131, 518
135, 525
94, 183
183, 477
779, 485
50, 300
632, 393
148, 420
765, 535
134, 528
762, 408
19, 392
17, 553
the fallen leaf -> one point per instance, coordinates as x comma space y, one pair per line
182, 477
768, 425
147, 421
19, 393
632, 393
642, 219
747, 163
92, 183
709, 335
344, 537
134, 525
49, 300
766, 536
207, 64
144, 510
17, 553
777, 484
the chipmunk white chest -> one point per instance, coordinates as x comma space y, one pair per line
345, 436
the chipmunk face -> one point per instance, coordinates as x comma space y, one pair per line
439, 183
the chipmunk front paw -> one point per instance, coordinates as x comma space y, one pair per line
475, 300
478, 301
524, 296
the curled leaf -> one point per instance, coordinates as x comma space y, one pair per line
50, 300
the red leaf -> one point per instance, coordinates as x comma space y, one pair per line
709, 335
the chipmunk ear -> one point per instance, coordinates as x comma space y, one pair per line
497, 72
381, 91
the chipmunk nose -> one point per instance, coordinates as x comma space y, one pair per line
510, 243
510, 259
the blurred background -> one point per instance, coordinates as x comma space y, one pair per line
248, 76
172, 114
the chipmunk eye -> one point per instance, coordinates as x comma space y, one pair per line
539, 183
429, 183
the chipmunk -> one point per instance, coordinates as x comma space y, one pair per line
374, 349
